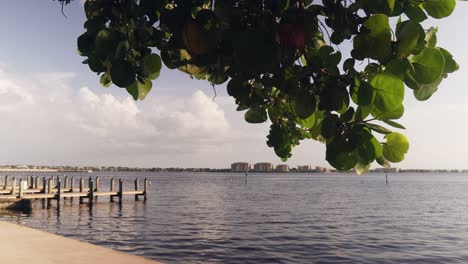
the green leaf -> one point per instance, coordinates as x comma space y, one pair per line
378, 6
362, 112
152, 66
408, 38
361, 168
393, 124
305, 104
133, 90
383, 162
122, 74
256, 115
144, 88
85, 44
378, 149
308, 122
425, 91
106, 80
106, 42
439, 8
415, 13
362, 92
339, 157
379, 129
428, 65
375, 39
450, 64
431, 37
394, 114
395, 147
389, 92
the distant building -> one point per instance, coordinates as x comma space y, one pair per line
388, 170
303, 168
240, 166
263, 166
322, 169
282, 167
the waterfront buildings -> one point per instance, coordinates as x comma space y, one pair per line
322, 169
303, 168
263, 166
282, 168
240, 166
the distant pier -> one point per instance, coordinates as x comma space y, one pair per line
19, 194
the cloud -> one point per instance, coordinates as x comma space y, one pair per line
46, 121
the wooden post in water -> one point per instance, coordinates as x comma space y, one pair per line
136, 189
72, 184
120, 193
21, 190
6, 183
44, 185
13, 186
96, 188
112, 189
36, 183
59, 191
49, 190
81, 189
65, 184
91, 191
145, 189
386, 178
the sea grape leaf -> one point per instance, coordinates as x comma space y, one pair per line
379, 129
426, 90
394, 114
408, 38
152, 66
375, 39
439, 8
395, 148
450, 64
428, 65
256, 115
389, 92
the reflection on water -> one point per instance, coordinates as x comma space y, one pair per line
274, 218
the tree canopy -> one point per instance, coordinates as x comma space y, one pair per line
335, 71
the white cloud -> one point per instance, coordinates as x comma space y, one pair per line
46, 121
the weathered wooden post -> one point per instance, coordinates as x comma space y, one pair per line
21, 190
120, 193
91, 191
36, 183
72, 184
81, 189
65, 184
145, 188
5, 186
136, 189
59, 191
49, 190
112, 189
31, 182
96, 188
13, 186
44, 185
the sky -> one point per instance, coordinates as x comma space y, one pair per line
53, 111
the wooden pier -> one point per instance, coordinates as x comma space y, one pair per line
19, 194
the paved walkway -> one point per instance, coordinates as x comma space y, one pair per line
20, 245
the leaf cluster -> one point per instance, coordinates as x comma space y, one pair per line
280, 61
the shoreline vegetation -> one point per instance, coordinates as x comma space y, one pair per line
90, 169
29, 245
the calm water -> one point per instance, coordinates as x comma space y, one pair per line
275, 218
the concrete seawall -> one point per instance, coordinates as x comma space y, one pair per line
27, 245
